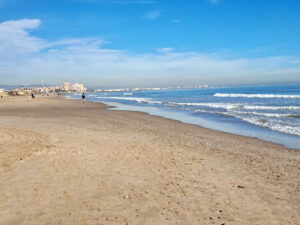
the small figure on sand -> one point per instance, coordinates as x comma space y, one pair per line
32, 95
83, 97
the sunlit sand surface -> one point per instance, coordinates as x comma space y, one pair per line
67, 162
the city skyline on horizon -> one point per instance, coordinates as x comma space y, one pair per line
134, 43
270, 84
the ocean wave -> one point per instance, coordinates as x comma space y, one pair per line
140, 100
230, 106
259, 115
128, 94
273, 125
278, 115
261, 107
255, 95
239, 114
265, 121
211, 105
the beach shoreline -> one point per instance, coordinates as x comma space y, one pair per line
269, 117
67, 162
111, 107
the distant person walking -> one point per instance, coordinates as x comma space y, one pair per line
83, 97
32, 95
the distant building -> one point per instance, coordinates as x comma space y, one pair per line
73, 87
67, 86
78, 87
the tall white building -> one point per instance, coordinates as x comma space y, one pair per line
67, 86
78, 87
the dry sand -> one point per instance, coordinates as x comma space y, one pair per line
65, 162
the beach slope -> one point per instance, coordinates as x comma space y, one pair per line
67, 162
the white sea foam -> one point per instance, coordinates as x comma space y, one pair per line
230, 106
141, 100
271, 107
278, 115
211, 105
128, 94
273, 125
217, 112
240, 114
255, 95
258, 120
128, 98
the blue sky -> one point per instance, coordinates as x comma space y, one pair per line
150, 42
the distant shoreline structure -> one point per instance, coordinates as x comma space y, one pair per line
67, 88
151, 89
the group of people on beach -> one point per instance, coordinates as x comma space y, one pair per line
82, 96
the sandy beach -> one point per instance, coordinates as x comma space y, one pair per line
66, 162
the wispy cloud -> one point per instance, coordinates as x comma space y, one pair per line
262, 49
268, 48
14, 37
164, 50
214, 1
87, 60
176, 21
295, 62
16, 41
153, 15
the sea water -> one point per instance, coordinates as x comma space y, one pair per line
270, 113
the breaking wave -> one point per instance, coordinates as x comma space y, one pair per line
141, 100
229, 106
255, 95
273, 125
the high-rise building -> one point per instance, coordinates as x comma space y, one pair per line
67, 86
78, 87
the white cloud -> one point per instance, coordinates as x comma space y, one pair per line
15, 39
19, 25
153, 15
86, 60
91, 43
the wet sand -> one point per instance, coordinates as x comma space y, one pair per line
67, 162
